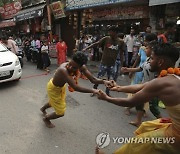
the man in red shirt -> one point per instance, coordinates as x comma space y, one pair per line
167, 36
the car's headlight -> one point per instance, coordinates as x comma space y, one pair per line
17, 62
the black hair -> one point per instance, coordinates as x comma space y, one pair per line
167, 50
80, 58
113, 28
151, 37
149, 26
4, 37
169, 24
121, 35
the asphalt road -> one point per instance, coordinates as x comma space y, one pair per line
22, 130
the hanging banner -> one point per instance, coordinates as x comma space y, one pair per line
58, 9
29, 13
79, 4
8, 10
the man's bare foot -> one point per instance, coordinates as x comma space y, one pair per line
48, 123
137, 124
127, 111
43, 111
98, 151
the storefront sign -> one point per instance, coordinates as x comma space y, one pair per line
29, 13
7, 23
58, 10
79, 4
26, 3
7, 11
161, 2
119, 13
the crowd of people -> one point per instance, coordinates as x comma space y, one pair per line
34, 48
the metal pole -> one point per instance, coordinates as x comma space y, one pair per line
49, 19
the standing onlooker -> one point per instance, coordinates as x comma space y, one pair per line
167, 36
4, 40
118, 62
27, 49
18, 41
39, 56
130, 41
61, 48
147, 76
81, 43
144, 34
141, 58
45, 56
96, 55
33, 49
11, 44
88, 41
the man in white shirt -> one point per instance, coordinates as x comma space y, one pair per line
11, 44
130, 41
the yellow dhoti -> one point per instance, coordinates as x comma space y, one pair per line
57, 96
166, 132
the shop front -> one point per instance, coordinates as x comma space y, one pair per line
29, 20
124, 17
89, 16
172, 13
7, 11
162, 11
6, 27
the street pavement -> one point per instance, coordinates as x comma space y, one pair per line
22, 130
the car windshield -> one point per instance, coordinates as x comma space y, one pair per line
3, 48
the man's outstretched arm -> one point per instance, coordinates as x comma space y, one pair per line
148, 92
75, 86
128, 89
91, 77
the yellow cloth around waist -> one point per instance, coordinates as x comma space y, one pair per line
57, 96
150, 129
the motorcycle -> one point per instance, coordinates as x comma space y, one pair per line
34, 51
27, 52
20, 55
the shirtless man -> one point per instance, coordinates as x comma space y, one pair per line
166, 89
56, 87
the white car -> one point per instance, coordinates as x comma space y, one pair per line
10, 68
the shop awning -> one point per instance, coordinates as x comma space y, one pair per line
161, 2
7, 23
29, 13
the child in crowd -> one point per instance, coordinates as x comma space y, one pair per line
147, 76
